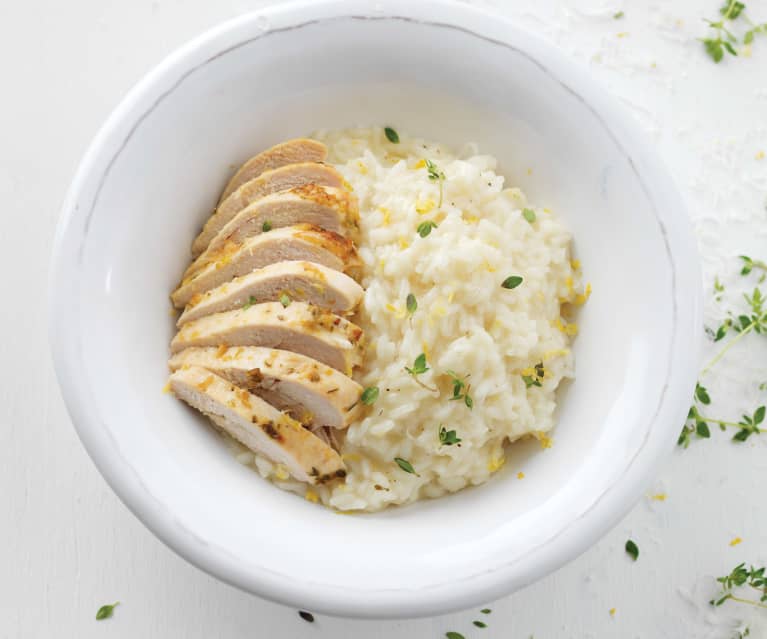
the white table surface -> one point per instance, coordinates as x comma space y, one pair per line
67, 545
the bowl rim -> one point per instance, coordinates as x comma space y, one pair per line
463, 592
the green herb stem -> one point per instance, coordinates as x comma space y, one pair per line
729, 345
750, 602
720, 422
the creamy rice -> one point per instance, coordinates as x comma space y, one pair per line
465, 321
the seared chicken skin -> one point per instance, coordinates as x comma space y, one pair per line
258, 425
281, 179
308, 390
300, 281
299, 327
290, 152
301, 242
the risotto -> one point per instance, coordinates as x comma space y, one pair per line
466, 315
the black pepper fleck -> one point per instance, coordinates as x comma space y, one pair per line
306, 616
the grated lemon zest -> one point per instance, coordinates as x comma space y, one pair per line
386, 215
489, 267
311, 496
544, 439
760, 155
166, 388
494, 464
403, 243
281, 473
422, 208
622, 34
420, 164
520, 475
425, 350
471, 219
612, 612
560, 352
567, 329
575, 265
658, 497
362, 167
450, 296
582, 298
736, 541
347, 186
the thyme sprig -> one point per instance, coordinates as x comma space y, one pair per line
721, 39
741, 577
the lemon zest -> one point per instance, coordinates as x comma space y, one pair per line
658, 497
422, 208
494, 464
582, 298
386, 215
760, 155
281, 473
520, 475
166, 388
420, 164
544, 439
736, 541
311, 496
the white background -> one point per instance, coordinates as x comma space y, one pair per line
67, 544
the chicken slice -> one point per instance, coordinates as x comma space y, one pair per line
325, 207
300, 242
299, 327
300, 281
258, 425
281, 179
290, 152
308, 390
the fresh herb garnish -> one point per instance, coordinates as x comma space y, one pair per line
533, 377
722, 39
632, 550
460, 389
285, 300
424, 228
369, 395
266, 226
698, 424
750, 264
479, 624
251, 300
419, 368
435, 174
405, 465
743, 324
740, 576
486, 611
529, 215
411, 304
105, 612
391, 135
306, 616
454, 635
512, 281
448, 437
619, 15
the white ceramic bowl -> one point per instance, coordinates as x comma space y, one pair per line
438, 70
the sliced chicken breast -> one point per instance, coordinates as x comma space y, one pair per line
308, 390
300, 242
258, 425
299, 327
281, 179
325, 207
290, 152
300, 281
